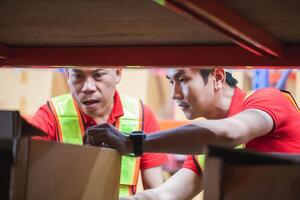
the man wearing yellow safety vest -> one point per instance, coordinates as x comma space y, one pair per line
94, 100
267, 120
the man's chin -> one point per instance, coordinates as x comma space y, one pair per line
188, 115
90, 113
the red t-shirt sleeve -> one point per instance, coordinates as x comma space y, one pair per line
271, 101
44, 120
190, 164
149, 160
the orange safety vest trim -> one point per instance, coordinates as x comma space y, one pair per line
74, 118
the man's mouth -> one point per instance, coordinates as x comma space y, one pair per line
90, 102
183, 105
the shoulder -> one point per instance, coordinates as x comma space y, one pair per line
269, 90
43, 112
266, 94
44, 120
272, 101
266, 97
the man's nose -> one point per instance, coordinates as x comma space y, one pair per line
176, 92
89, 85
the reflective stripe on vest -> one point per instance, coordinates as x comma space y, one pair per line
71, 131
130, 121
70, 127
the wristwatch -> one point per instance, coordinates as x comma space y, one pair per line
137, 139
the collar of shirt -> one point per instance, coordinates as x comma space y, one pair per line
236, 101
116, 113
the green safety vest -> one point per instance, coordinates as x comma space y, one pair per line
200, 159
71, 131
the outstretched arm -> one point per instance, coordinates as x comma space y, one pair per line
192, 138
183, 185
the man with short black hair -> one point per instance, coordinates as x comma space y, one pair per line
95, 100
260, 121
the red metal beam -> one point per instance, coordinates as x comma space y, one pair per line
4, 51
231, 24
146, 56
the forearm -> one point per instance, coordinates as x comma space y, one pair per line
145, 195
188, 139
183, 185
152, 177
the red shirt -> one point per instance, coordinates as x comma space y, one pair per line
45, 120
285, 135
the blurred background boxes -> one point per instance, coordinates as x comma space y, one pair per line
27, 90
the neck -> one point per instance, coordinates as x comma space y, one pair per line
222, 106
101, 120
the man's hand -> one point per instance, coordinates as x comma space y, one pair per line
106, 134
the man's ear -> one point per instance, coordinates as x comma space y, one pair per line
219, 77
118, 74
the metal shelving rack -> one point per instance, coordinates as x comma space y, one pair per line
150, 33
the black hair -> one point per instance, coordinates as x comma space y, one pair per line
229, 78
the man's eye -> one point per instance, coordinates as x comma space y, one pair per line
77, 76
181, 80
171, 82
99, 75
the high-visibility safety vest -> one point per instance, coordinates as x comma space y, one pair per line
200, 159
71, 130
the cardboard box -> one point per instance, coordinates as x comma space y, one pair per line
232, 174
50, 170
32, 170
